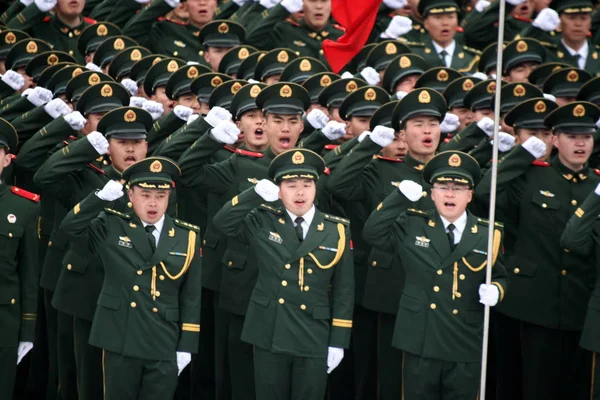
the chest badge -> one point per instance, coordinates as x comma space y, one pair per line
275, 237
172, 232
546, 193
321, 227
422, 241
124, 241
11, 218
299, 43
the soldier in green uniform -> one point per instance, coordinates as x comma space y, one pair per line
19, 260
437, 78
17, 59
218, 37
402, 73
379, 58
92, 36
443, 50
565, 83
358, 107
550, 286
155, 84
455, 94
332, 96
305, 279
269, 67
121, 64
8, 38
520, 57
305, 37
62, 29
106, 51
147, 320
248, 65
444, 255
232, 60
301, 69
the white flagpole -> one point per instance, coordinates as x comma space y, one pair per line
492, 213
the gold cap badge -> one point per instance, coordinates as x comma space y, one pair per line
135, 55
298, 158
572, 76
130, 116
491, 87
106, 91
94, 79
101, 30
519, 91
119, 44
467, 85
391, 48
325, 81
172, 66
156, 167
254, 91
236, 87
192, 72
243, 53
216, 81
521, 46
283, 56
286, 91
305, 66
10, 38
579, 111
351, 87
405, 62
424, 97
370, 95
539, 107
223, 28
52, 59
454, 160
31, 47
442, 75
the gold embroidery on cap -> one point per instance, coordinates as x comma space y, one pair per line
442, 75
130, 116
119, 44
94, 79
305, 66
172, 66
10, 38
283, 56
405, 62
52, 59
572, 76
539, 107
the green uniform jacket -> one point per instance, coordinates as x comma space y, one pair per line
550, 286
273, 30
304, 295
18, 265
13, 110
361, 178
465, 140
581, 237
149, 307
464, 59
481, 29
440, 316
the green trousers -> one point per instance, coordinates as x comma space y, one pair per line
509, 365
285, 377
389, 359
428, 379
67, 371
8, 366
88, 360
240, 358
127, 378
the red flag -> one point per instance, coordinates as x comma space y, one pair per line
358, 18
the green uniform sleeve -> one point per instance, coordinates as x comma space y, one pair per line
227, 9
342, 298
123, 11
236, 219
5, 93
579, 235
465, 140
27, 18
28, 277
179, 141
86, 222
139, 26
162, 128
28, 123
333, 158
15, 8
190, 303
264, 34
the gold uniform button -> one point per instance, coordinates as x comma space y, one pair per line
155, 310
374, 263
306, 288
204, 242
433, 306
573, 202
436, 289
133, 305
462, 277
455, 312
544, 205
49, 243
71, 52
566, 250
288, 266
516, 270
281, 301
10, 235
310, 271
140, 272
136, 288
563, 272
424, 194
157, 293
161, 277
458, 295
303, 307
129, 204
175, 53
283, 283
69, 267
70, 34
574, 180
13, 301
321, 52
439, 272
229, 263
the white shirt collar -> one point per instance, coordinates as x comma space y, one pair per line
158, 225
459, 225
449, 49
583, 51
308, 217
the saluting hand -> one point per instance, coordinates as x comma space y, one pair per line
217, 115
317, 119
334, 130
75, 120
13, 79
411, 189
450, 123
98, 141
382, 135
535, 147
266, 189
226, 132
57, 107
111, 191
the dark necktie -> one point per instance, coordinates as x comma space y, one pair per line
451, 228
299, 230
443, 55
149, 230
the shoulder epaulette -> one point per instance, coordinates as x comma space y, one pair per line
249, 153
331, 146
523, 19
388, 158
115, 212
333, 218
538, 163
291, 21
274, 210
186, 225
98, 170
89, 20
415, 44
414, 211
472, 50
485, 222
597, 171
46, 19
24, 193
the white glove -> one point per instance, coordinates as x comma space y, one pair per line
535, 147
488, 294
486, 124
13, 79
130, 85
293, 6
192, 63
597, 190
549, 96
269, 3
398, 26
226, 132
192, 118
111, 191
400, 94
26, 2
395, 4
253, 81
334, 358
347, 75
334, 130
363, 135
267, 190
135, 101
547, 20
598, 123
482, 5
411, 189
183, 112
154, 108
515, 2
382, 136
317, 119
183, 359
39, 96
450, 123
370, 75
45, 5
75, 120
93, 67
56, 107
506, 141
480, 75
240, 2
142, 1
98, 141
172, 3
22, 350
217, 115
26, 92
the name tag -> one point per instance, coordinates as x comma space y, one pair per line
123, 243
